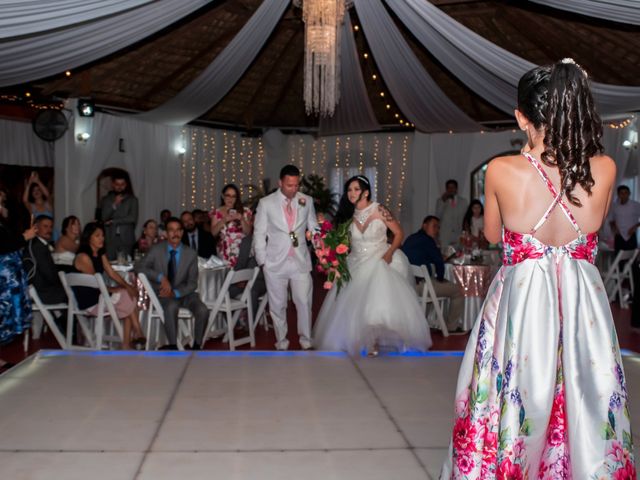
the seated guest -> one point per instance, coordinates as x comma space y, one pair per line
473, 226
149, 236
92, 259
202, 220
246, 259
230, 223
67, 245
421, 249
172, 269
201, 241
38, 263
162, 226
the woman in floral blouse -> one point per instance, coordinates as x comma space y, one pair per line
230, 222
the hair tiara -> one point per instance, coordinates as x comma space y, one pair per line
571, 61
363, 178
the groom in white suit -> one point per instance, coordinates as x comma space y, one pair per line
281, 249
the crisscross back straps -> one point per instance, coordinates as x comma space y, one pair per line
557, 198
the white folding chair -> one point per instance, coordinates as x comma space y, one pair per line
617, 274
261, 314
155, 314
97, 335
46, 310
232, 307
427, 295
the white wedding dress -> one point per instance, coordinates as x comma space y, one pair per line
379, 305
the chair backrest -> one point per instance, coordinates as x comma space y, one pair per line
614, 270
153, 298
248, 275
38, 304
421, 272
70, 280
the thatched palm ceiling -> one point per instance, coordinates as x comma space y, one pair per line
270, 93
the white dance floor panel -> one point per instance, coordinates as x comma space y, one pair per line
241, 415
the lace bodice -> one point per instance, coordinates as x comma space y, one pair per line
368, 234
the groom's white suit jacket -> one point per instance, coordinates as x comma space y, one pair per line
271, 230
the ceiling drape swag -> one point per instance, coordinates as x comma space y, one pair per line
484, 67
29, 58
22, 18
354, 112
623, 11
223, 73
418, 96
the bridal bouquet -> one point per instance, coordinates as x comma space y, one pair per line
331, 245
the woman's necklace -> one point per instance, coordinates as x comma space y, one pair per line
362, 215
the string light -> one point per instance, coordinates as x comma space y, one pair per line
68, 73
403, 165
389, 160
619, 125
183, 174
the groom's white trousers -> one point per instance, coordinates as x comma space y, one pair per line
302, 294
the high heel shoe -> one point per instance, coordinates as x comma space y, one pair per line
139, 343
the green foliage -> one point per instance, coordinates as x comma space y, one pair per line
324, 200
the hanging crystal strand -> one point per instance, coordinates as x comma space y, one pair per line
322, 55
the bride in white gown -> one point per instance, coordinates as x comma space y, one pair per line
379, 306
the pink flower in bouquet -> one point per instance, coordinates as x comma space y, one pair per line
342, 249
335, 263
328, 285
326, 226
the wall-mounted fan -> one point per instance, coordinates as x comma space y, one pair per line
50, 124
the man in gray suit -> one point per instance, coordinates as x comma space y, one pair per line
119, 213
172, 269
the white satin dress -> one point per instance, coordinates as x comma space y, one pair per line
541, 392
379, 305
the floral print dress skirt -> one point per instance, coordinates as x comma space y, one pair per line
15, 306
541, 392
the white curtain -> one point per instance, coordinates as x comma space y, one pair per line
221, 75
415, 92
26, 17
30, 57
20, 146
489, 70
149, 156
354, 112
623, 11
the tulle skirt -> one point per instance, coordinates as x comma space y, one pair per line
378, 306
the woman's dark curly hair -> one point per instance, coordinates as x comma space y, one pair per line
466, 221
346, 208
559, 99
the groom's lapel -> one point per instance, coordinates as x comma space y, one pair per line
280, 213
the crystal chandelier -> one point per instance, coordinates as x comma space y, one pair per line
322, 19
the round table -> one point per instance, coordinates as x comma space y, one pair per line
474, 280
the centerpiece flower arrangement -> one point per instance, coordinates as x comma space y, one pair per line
331, 245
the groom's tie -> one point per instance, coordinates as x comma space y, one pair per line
290, 215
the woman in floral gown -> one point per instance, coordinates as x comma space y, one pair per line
230, 222
541, 392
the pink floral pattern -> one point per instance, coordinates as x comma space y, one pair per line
518, 247
230, 237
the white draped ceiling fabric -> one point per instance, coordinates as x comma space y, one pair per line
27, 17
354, 112
39, 38
224, 72
489, 70
25, 58
623, 11
418, 96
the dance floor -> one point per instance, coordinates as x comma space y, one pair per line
242, 415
